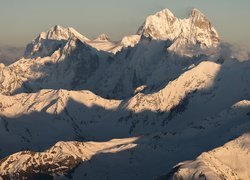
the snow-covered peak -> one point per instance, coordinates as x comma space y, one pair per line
202, 25
196, 12
48, 42
187, 36
131, 40
165, 12
61, 33
102, 37
160, 26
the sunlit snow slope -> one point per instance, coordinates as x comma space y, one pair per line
76, 108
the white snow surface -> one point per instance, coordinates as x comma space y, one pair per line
230, 161
131, 109
188, 36
174, 120
59, 159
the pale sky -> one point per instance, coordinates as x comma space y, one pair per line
23, 20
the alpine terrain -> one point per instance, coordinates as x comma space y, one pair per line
141, 108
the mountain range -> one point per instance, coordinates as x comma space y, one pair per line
139, 108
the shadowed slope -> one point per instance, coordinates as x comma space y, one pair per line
175, 126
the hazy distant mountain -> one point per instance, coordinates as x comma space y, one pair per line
9, 54
131, 109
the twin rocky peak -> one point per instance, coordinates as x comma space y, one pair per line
185, 35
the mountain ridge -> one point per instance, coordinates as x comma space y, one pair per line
194, 30
153, 99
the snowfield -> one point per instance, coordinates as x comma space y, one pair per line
230, 161
140, 108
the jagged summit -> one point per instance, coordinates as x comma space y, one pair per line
48, 42
186, 36
61, 33
196, 31
58, 32
102, 37
159, 26
165, 12
198, 19
196, 12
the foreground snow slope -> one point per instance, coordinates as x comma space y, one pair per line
231, 162
196, 94
174, 120
61, 114
60, 159
128, 158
